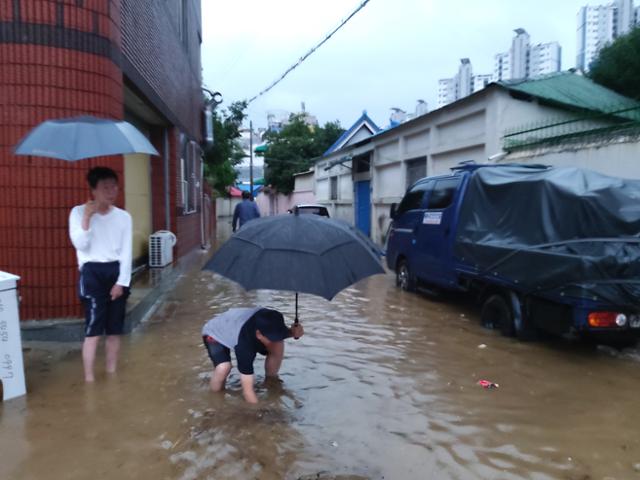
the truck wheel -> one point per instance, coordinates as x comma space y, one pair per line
496, 313
404, 278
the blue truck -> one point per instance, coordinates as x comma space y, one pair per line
540, 248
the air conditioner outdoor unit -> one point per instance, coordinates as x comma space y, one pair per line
161, 248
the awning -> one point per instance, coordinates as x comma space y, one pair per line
235, 192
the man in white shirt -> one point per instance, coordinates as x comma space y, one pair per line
102, 235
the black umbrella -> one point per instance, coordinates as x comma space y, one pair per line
298, 253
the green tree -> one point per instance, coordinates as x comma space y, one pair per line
226, 151
293, 149
618, 65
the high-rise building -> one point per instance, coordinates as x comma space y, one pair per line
481, 81
463, 84
502, 66
464, 78
625, 17
526, 61
421, 108
519, 54
544, 58
599, 25
446, 91
521, 61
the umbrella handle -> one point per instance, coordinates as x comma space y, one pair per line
295, 320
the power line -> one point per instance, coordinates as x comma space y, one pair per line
306, 55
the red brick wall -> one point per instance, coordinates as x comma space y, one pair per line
188, 233
38, 82
62, 58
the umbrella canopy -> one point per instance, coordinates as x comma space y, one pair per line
76, 138
298, 253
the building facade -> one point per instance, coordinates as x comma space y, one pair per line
137, 60
464, 83
544, 58
502, 66
524, 60
360, 181
599, 25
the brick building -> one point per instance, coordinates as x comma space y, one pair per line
137, 60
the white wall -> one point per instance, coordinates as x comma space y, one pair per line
303, 182
617, 158
225, 206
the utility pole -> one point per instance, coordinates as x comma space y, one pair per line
251, 157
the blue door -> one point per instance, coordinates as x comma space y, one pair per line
363, 207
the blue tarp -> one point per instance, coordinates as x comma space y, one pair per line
247, 188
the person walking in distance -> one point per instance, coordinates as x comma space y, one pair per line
102, 235
245, 211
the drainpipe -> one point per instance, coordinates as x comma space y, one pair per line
167, 214
210, 104
203, 240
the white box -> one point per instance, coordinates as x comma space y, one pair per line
11, 363
161, 245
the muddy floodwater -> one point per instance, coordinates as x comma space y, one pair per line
382, 386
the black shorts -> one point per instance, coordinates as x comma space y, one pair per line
102, 315
218, 353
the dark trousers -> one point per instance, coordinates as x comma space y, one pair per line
102, 315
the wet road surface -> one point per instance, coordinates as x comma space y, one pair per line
382, 386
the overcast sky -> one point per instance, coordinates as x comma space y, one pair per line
390, 54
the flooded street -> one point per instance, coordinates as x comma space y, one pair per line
382, 386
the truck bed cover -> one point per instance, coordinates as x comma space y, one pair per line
559, 231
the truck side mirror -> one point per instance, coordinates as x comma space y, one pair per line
394, 210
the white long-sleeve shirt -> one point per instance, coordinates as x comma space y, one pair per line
108, 239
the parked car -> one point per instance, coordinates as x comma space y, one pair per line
311, 208
541, 248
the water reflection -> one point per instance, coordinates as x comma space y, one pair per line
382, 385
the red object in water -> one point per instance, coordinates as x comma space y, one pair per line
487, 384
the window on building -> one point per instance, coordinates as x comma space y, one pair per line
189, 183
442, 194
416, 169
361, 164
333, 194
185, 23
413, 198
182, 22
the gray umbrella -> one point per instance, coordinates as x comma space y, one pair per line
76, 138
298, 253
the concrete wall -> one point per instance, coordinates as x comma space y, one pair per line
277, 203
618, 157
470, 129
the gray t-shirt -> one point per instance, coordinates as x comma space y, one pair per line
225, 328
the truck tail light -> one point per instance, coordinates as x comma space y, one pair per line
607, 319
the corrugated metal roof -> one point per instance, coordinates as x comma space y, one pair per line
570, 89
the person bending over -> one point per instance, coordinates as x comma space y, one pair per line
248, 331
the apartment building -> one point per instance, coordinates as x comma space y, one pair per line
599, 25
